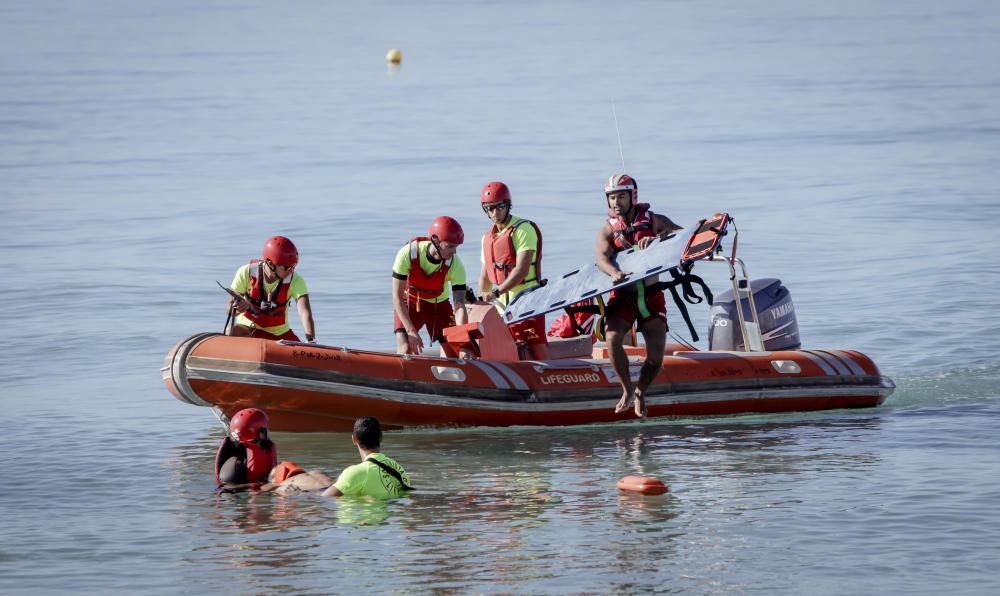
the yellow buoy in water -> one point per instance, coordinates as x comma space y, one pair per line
394, 56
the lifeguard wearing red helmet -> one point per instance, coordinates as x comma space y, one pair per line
512, 264
446, 229
422, 274
245, 426
281, 251
247, 455
262, 291
494, 192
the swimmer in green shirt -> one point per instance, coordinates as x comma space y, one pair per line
378, 475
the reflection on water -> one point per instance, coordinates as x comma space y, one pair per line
492, 504
525, 508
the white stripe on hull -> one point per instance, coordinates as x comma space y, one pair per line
510, 374
498, 381
847, 360
335, 389
819, 361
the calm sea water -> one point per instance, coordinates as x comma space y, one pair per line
147, 150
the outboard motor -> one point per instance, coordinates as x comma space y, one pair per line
778, 326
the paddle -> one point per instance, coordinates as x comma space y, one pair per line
236, 298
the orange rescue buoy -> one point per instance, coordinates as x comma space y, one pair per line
642, 484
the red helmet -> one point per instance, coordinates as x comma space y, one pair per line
281, 251
447, 230
494, 192
622, 182
247, 424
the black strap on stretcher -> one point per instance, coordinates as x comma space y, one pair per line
704, 243
686, 281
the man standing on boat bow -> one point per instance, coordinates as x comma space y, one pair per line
629, 224
424, 269
267, 286
512, 263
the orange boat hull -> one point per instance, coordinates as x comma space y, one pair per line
315, 388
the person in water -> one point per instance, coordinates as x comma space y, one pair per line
246, 455
629, 224
287, 478
266, 286
427, 269
378, 475
512, 257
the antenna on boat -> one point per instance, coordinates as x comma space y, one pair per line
621, 152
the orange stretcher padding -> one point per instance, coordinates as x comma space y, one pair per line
707, 238
642, 484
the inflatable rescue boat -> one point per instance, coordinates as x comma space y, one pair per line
754, 363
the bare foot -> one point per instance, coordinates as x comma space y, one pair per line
624, 402
640, 405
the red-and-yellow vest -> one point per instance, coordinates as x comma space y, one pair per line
625, 234
500, 256
271, 308
418, 283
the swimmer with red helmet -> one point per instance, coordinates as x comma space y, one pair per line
267, 285
426, 271
246, 456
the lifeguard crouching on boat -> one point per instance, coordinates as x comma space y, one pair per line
424, 269
262, 289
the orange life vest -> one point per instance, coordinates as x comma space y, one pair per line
420, 284
626, 235
500, 256
271, 307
